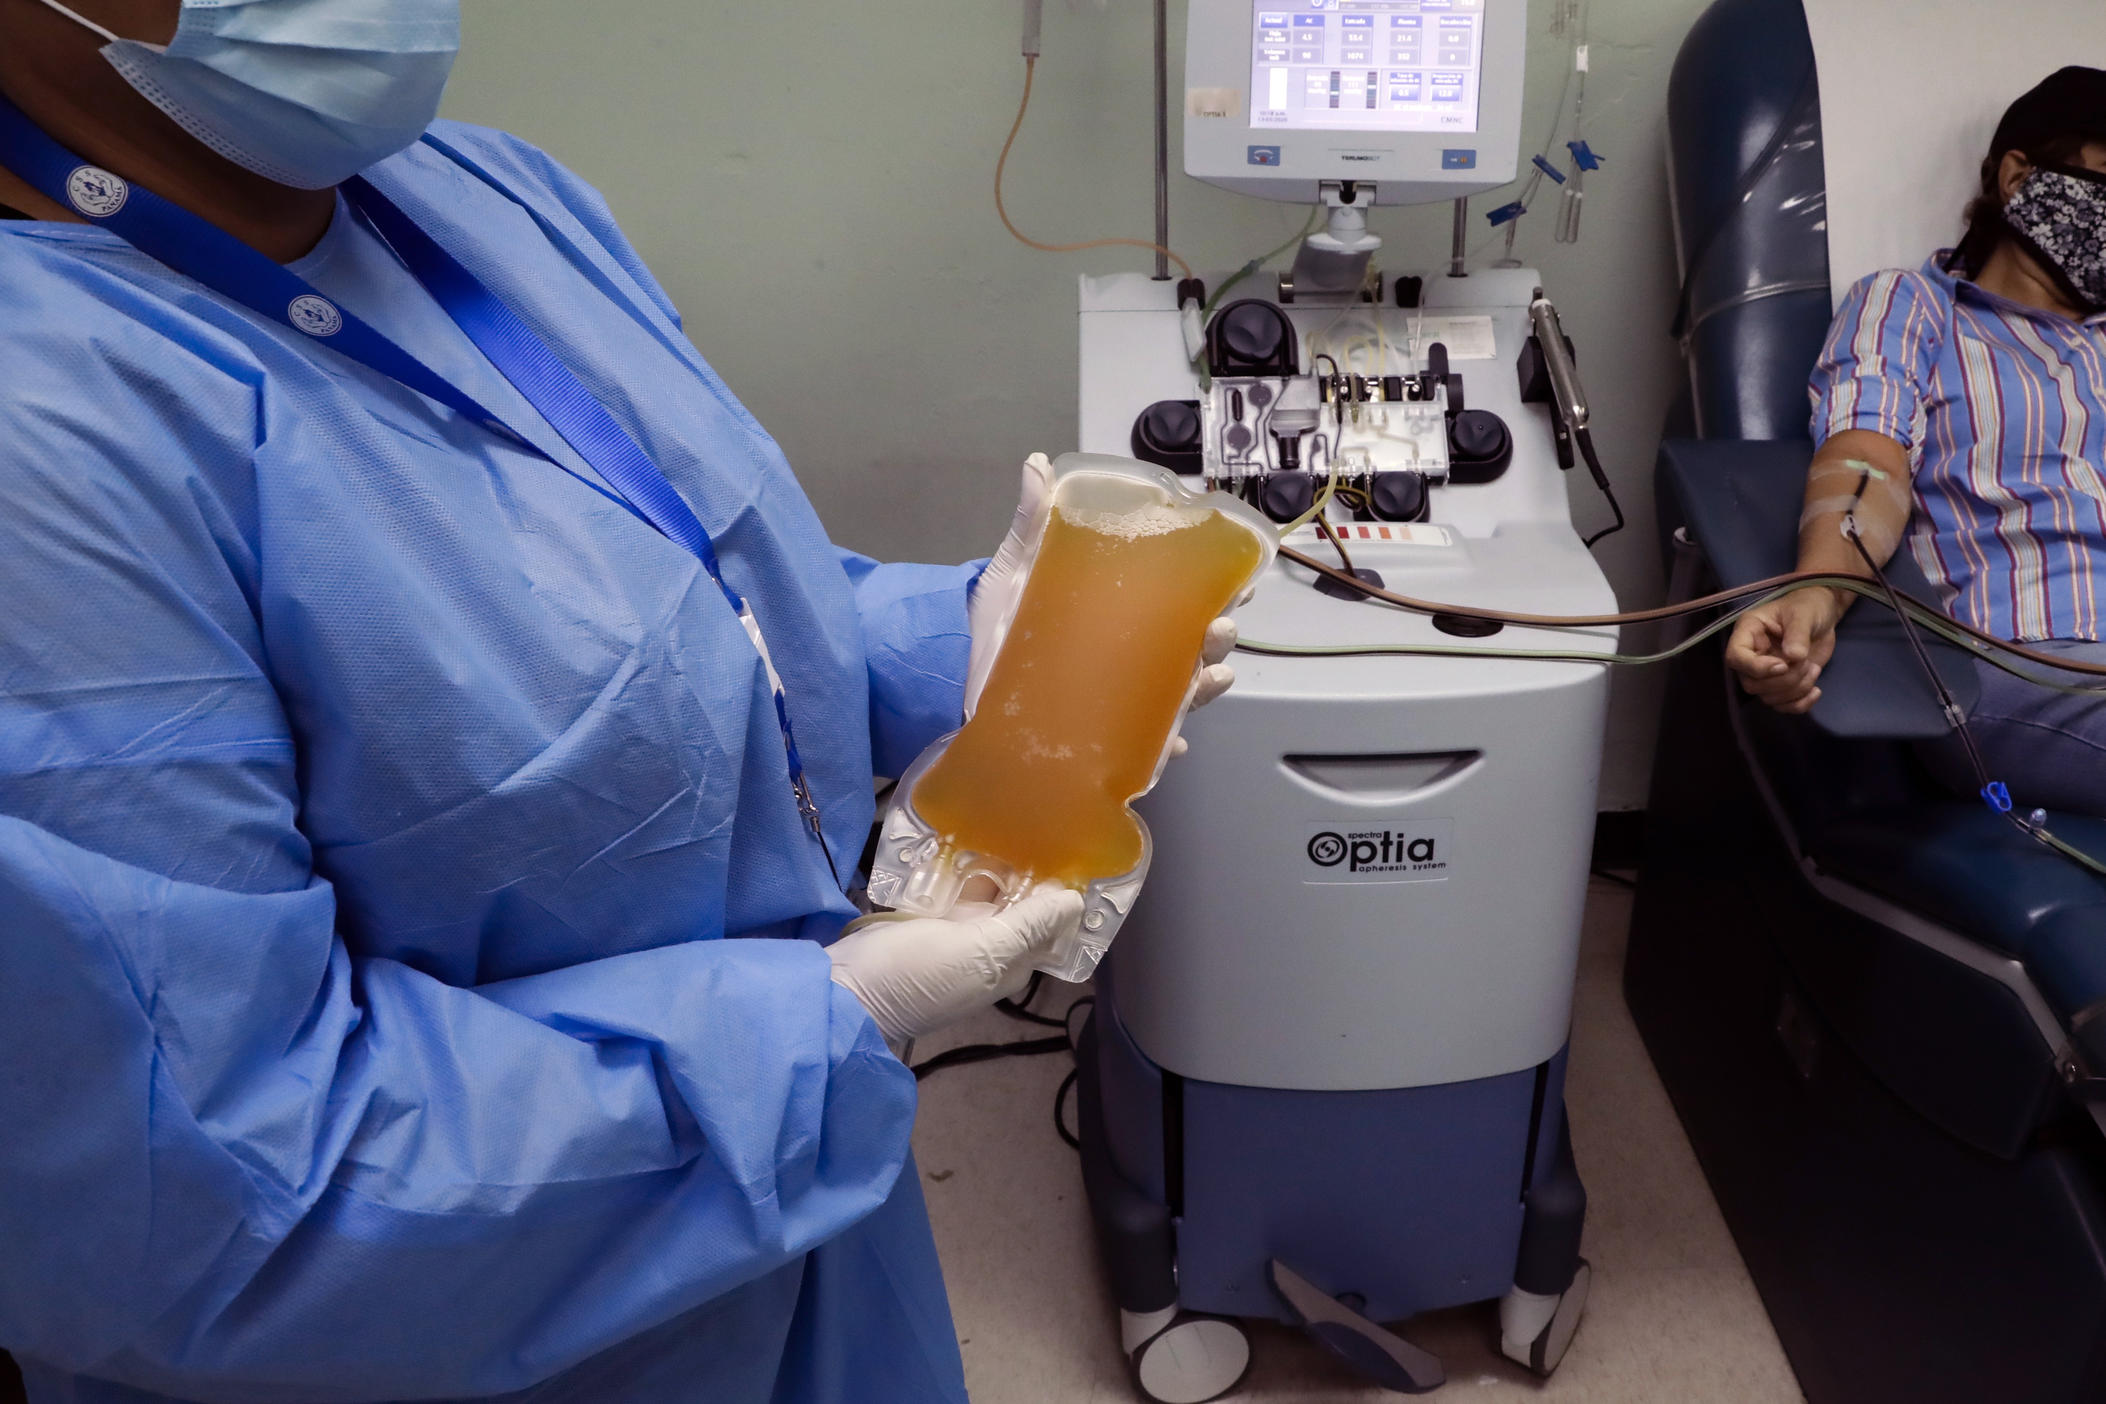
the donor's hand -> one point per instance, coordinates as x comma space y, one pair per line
1780, 648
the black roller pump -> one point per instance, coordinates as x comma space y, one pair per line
1285, 496
1398, 497
1479, 447
1167, 434
1251, 338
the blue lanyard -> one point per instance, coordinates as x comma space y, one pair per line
201, 250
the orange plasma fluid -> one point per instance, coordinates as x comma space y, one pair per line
1086, 689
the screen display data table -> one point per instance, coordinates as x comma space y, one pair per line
1367, 65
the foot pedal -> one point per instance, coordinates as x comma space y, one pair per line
1383, 1356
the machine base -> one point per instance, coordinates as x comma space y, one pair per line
1385, 1203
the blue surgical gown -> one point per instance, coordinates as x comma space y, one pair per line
376, 799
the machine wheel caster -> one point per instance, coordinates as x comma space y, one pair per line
1536, 1330
1184, 1357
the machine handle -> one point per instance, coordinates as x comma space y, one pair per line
1567, 393
1380, 779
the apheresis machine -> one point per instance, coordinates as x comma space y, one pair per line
1323, 1080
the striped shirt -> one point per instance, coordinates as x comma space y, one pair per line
2002, 409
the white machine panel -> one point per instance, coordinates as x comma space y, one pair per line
1132, 354
1421, 98
1371, 870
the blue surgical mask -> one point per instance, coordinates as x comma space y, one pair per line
304, 92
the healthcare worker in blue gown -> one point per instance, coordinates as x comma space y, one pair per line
418, 975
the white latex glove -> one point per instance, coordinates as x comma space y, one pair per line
995, 593
917, 975
1215, 676
999, 585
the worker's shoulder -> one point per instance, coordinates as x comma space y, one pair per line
78, 300
512, 163
524, 172
103, 359
43, 270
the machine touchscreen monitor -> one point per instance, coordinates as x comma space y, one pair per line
1413, 100
1368, 65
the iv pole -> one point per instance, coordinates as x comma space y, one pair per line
1162, 140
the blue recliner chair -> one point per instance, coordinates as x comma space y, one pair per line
1871, 1001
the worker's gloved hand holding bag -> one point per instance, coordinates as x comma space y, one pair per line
916, 974
1097, 626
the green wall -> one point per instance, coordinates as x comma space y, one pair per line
812, 183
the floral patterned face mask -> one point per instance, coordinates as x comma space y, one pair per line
2059, 216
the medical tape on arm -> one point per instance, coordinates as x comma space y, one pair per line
1869, 485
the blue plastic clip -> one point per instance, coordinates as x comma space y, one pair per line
1583, 156
1507, 213
1997, 795
1547, 169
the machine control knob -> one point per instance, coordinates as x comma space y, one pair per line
1398, 497
1479, 447
1252, 338
1167, 434
1285, 496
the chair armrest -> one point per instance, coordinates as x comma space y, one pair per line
1742, 499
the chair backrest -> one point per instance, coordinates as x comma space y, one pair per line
1750, 212
1748, 189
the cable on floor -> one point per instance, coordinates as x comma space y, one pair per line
1060, 1102
970, 1053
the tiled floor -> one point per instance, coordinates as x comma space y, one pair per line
1673, 1316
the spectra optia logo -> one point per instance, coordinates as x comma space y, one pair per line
1327, 850
1378, 851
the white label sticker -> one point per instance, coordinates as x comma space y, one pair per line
1214, 102
1349, 851
1467, 338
